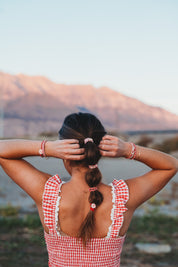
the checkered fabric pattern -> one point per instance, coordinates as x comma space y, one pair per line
50, 196
121, 198
69, 251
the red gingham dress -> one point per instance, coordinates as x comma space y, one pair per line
69, 251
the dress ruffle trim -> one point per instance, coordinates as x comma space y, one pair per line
120, 196
50, 197
112, 211
57, 211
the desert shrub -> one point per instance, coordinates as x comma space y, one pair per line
48, 134
158, 224
144, 140
9, 210
31, 221
168, 145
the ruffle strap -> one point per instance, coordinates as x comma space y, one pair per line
57, 227
50, 202
120, 195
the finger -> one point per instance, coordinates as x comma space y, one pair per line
77, 151
108, 137
107, 154
76, 157
107, 147
109, 142
74, 146
70, 141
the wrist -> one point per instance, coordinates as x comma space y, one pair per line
127, 149
131, 151
48, 148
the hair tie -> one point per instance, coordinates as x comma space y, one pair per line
92, 206
93, 166
92, 189
88, 139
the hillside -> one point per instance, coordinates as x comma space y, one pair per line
36, 104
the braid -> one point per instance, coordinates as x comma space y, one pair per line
93, 178
89, 131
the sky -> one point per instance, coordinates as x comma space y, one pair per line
130, 46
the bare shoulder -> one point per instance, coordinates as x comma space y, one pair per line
103, 186
106, 190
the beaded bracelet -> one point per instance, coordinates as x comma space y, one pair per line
133, 151
42, 149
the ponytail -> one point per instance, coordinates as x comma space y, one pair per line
86, 128
93, 178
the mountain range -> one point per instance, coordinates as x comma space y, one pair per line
35, 104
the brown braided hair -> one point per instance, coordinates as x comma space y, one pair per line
80, 126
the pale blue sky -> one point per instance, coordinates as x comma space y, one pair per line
129, 45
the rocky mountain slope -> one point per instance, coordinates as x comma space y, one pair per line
35, 104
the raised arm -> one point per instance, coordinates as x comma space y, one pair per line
23, 173
141, 188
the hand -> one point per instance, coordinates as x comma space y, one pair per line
64, 149
111, 146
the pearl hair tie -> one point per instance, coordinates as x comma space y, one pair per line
93, 166
88, 139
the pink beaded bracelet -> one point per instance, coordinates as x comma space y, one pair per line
133, 151
42, 149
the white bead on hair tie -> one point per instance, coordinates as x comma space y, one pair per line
88, 139
92, 206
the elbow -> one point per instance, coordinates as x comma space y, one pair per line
1, 161
175, 166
